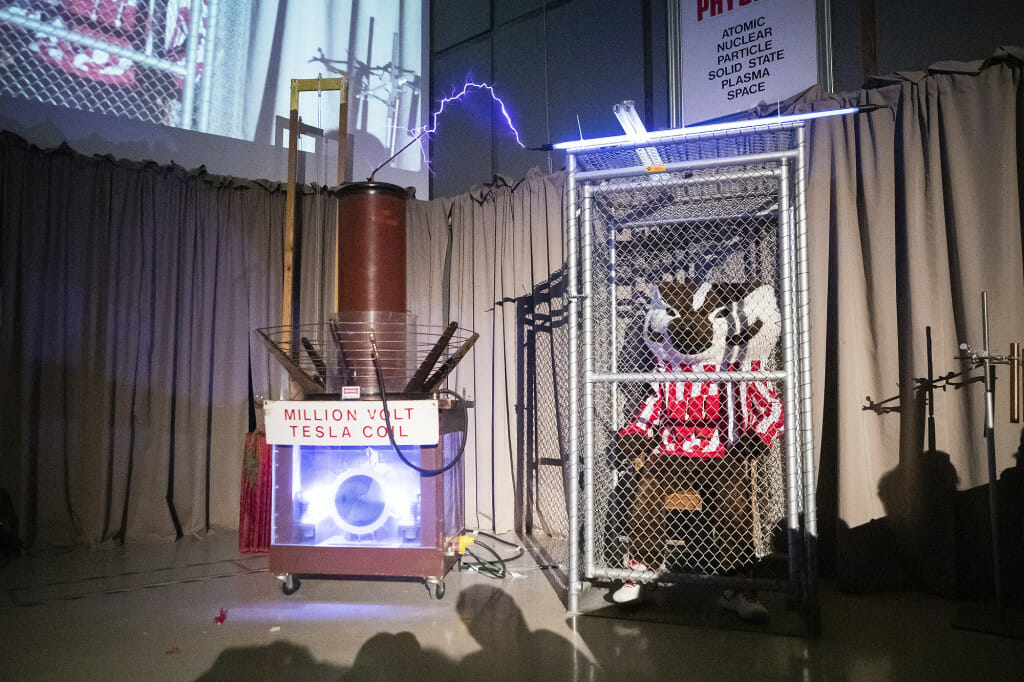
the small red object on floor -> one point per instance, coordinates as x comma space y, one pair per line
219, 620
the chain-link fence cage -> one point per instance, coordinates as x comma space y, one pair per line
542, 409
158, 61
690, 361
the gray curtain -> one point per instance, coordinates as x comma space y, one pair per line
479, 259
129, 292
914, 210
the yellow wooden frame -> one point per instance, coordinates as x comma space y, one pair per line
300, 85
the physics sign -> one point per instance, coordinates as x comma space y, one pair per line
739, 53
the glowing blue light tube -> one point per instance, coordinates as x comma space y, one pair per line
656, 136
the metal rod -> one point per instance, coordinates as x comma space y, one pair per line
675, 65
805, 387
209, 68
588, 385
390, 158
993, 506
1015, 376
314, 356
633, 171
416, 383
693, 377
572, 445
290, 366
188, 90
931, 391
791, 432
713, 130
989, 368
737, 581
614, 331
826, 78
444, 370
344, 375
984, 320
990, 441
46, 29
697, 220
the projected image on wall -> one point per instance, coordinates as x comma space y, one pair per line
223, 66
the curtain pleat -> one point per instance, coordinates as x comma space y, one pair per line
914, 210
129, 293
504, 241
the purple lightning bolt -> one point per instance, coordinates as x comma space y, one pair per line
427, 130
456, 98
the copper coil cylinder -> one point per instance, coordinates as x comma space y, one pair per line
371, 247
371, 286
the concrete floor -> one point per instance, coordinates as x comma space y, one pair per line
148, 612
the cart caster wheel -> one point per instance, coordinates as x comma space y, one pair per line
290, 584
438, 590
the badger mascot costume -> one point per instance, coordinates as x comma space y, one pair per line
685, 467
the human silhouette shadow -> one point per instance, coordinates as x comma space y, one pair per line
920, 501
975, 571
915, 542
387, 657
281, 660
1010, 489
509, 649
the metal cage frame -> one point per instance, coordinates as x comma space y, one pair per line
768, 152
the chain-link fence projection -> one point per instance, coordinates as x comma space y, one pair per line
138, 59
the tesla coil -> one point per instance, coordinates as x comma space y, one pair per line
367, 466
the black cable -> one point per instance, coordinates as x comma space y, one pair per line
496, 567
868, 108
407, 145
495, 537
387, 420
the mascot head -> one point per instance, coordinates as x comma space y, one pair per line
722, 323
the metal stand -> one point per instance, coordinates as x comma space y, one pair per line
999, 620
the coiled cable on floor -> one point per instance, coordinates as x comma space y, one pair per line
496, 567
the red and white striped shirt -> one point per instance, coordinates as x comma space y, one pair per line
699, 418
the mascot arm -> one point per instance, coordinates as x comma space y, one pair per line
636, 440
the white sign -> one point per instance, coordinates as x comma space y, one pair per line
307, 422
739, 53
